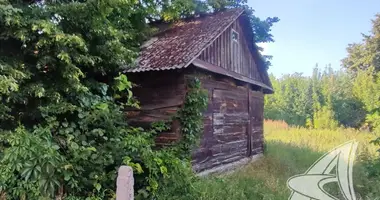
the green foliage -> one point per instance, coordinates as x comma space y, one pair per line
191, 118
291, 101
363, 61
180, 184
62, 131
289, 151
324, 100
35, 160
168, 171
367, 89
324, 119
62, 127
362, 56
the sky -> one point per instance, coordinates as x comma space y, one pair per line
313, 31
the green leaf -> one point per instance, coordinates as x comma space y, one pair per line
74, 146
93, 149
102, 106
98, 187
163, 170
27, 172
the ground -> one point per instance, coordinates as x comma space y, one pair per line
290, 151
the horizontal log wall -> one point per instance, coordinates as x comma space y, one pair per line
232, 55
161, 94
233, 121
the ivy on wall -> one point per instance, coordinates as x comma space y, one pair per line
162, 171
179, 184
190, 116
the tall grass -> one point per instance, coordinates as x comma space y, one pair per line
289, 151
319, 140
295, 149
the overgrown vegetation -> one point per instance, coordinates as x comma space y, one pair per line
62, 128
191, 117
291, 151
180, 184
168, 170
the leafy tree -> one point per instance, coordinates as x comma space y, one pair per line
63, 131
291, 101
324, 100
367, 89
363, 61
62, 127
349, 110
362, 56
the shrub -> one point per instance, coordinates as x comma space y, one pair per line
63, 131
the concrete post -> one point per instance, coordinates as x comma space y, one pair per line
124, 184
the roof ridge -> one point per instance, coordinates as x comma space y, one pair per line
193, 17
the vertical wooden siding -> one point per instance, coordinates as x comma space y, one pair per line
232, 55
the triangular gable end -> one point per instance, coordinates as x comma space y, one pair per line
231, 51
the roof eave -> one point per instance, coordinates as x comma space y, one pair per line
219, 70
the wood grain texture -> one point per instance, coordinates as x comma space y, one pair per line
232, 124
233, 120
256, 122
232, 55
161, 94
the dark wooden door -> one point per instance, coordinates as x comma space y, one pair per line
255, 124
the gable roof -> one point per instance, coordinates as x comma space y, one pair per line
178, 45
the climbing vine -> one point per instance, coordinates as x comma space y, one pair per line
179, 183
190, 116
162, 171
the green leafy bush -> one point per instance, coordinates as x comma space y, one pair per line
62, 128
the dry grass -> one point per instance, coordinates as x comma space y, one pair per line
319, 140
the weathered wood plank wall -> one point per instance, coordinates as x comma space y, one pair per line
161, 94
233, 121
232, 124
232, 55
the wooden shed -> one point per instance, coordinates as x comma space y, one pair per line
219, 49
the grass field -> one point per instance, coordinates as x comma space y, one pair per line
290, 151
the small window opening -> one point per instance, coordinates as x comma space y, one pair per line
235, 35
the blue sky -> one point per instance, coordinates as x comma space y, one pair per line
313, 31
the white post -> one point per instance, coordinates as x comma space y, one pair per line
124, 184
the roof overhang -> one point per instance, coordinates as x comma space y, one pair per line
219, 70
